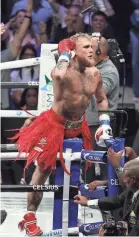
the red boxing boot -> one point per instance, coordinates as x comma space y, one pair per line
30, 225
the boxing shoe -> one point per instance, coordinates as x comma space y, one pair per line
30, 225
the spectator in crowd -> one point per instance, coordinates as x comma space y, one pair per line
24, 74
135, 3
42, 11
134, 39
29, 99
13, 49
13, 26
128, 200
61, 9
73, 23
99, 23
102, 5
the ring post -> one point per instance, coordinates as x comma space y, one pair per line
76, 146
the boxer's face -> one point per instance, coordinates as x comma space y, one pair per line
84, 52
20, 18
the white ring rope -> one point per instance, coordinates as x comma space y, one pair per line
18, 113
20, 63
23, 155
19, 84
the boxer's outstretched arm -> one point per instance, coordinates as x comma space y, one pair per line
100, 95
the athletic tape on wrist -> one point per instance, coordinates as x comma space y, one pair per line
64, 56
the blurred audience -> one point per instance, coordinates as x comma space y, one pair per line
101, 5
134, 39
73, 24
24, 74
10, 53
42, 11
13, 26
99, 23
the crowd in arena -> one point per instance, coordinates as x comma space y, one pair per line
27, 26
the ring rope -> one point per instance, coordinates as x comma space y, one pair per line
20, 63
23, 155
7, 85
38, 188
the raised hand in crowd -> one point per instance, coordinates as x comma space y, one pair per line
19, 36
29, 6
74, 20
86, 4
2, 28
43, 33
55, 5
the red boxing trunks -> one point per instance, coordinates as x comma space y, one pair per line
44, 138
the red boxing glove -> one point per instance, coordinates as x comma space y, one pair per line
64, 49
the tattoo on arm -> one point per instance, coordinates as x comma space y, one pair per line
96, 74
62, 64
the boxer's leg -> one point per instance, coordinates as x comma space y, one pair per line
34, 198
29, 223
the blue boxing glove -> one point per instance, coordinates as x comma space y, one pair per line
104, 132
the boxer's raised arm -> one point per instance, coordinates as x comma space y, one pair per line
65, 48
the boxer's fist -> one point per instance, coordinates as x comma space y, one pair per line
104, 132
66, 47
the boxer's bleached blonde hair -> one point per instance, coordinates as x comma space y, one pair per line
80, 35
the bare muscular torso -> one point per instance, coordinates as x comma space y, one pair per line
72, 94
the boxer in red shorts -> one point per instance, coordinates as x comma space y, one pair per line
75, 81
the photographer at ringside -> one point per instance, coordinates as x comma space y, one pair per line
128, 200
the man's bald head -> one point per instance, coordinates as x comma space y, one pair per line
103, 45
132, 168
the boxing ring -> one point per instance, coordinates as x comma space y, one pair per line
57, 213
